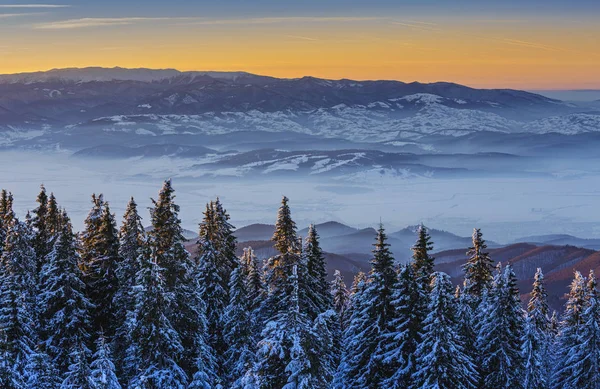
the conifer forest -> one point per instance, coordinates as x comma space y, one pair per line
118, 305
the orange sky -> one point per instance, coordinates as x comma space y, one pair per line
521, 54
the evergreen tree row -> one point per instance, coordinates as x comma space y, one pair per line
128, 307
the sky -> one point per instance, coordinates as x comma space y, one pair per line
526, 44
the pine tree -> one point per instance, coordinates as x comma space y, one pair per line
317, 288
79, 375
536, 337
99, 261
402, 341
570, 328
156, 346
131, 243
185, 310
213, 289
63, 303
103, 373
479, 266
238, 329
17, 296
422, 261
583, 356
440, 357
254, 280
40, 372
499, 340
6, 216
40, 224
372, 325
340, 296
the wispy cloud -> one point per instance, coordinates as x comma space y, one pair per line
34, 6
107, 22
304, 38
15, 15
424, 26
532, 45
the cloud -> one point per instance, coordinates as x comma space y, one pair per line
34, 6
107, 22
532, 45
305, 38
14, 15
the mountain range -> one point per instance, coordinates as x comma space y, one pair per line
238, 124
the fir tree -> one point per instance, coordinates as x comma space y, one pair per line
103, 373
131, 243
156, 346
79, 375
17, 296
536, 337
238, 329
184, 310
402, 341
479, 266
570, 328
40, 223
40, 372
316, 285
99, 260
422, 261
63, 302
340, 296
499, 340
372, 325
440, 357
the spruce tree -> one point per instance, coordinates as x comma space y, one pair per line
155, 346
499, 340
184, 310
40, 372
402, 341
570, 328
131, 243
17, 296
372, 326
213, 289
583, 356
440, 356
79, 374
103, 374
42, 229
99, 261
479, 266
63, 303
318, 294
340, 296
422, 261
238, 334
536, 338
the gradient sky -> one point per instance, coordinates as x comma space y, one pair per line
526, 44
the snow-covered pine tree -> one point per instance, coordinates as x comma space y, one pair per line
184, 310
6, 216
237, 329
42, 230
227, 242
441, 360
317, 288
399, 349
131, 242
536, 338
17, 297
365, 368
255, 288
40, 372
79, 374
583, 357
479, 266
103, 374
99, 261
569, 329
500, 332
422, 260
340, 296
213, 289
155, 347
282, 274
64, 307
465, 315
